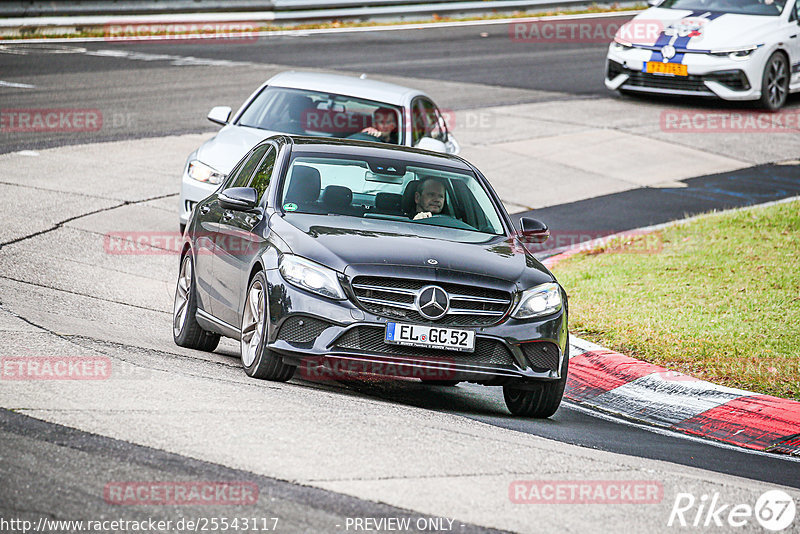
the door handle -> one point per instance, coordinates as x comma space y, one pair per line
204, 209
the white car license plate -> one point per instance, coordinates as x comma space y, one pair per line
433, 337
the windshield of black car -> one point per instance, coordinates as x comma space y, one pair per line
389, 191
739, 7
302, 112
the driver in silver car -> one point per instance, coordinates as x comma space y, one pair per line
384, 126
429, 198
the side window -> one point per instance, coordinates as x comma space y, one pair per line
232, 175
440, 131
427, 122
796, 11
242, 178
264, 173
417, 121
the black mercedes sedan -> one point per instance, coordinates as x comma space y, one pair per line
346, 256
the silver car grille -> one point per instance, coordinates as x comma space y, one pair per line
394, 298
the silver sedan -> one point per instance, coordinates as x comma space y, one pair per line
319, 105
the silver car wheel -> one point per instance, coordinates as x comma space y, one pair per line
181, 305
252, 323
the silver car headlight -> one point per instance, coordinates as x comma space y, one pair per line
311, 276
203, 173
538, 301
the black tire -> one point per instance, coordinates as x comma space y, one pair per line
448, 383
258, 361
542, 399
775, 82
185, 330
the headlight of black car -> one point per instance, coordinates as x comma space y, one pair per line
311, 276
538, 301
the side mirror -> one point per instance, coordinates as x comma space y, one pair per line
452, 145
533, 231
429, 143
219, 115
238, 199
654, 3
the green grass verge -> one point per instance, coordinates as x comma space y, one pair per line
42, 33
717, 297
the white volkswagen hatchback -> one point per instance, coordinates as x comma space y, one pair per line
313, 104
730, 49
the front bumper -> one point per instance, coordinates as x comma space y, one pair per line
307, 331
709, 76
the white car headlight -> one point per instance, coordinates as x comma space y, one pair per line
538, 301
311, 276
203, 173
620, 45
739, 54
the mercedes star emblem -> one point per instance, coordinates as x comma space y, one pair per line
433, 262
668, 52
432, 302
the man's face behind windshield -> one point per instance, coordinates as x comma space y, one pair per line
430, 197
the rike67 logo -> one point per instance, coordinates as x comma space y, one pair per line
774, 510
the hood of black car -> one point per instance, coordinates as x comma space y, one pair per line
360, 246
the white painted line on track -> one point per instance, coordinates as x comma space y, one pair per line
16, 85
324, 31
179, 61
673, 433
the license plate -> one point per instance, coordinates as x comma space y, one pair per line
431, 337
659, 67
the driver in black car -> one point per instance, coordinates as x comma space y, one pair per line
429, 198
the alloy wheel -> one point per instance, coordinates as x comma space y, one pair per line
776, 82
181, 305
253, 323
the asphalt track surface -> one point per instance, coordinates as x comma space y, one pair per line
150, 104
646, 206
297, 508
